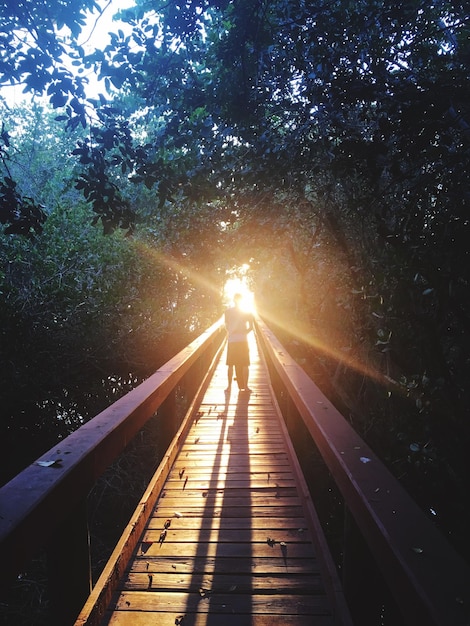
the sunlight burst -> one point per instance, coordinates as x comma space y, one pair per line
239, 285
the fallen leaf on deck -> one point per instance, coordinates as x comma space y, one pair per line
204, 593
49, 463
145, 546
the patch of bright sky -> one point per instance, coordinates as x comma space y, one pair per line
94, 36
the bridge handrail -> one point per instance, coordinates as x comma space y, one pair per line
429, 580
36, 502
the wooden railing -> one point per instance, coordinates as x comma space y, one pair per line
429, 582
44, 507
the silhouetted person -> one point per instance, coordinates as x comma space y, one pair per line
238, 324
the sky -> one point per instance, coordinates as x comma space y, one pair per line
105, 23
94, 35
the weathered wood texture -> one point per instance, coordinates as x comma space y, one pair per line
428, 579
230, 538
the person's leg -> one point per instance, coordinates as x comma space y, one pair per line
246, 373
229, 376
229, 362
246, 368
240, 376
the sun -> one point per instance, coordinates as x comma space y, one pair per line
239, 285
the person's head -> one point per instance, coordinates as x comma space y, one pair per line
237, 298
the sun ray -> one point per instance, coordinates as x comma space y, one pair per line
316, 343
181, 268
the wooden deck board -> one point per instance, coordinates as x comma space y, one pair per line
299, 583
287, 553
259, 526
237, 549
232, 535
205, 564
222, 603
124, 618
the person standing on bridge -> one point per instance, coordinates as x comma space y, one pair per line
238, 324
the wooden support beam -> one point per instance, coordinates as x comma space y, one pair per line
69, 566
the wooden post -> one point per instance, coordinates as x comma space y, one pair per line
356, 574
366, 593
168, 420
69, 565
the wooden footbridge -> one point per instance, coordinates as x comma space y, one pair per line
227, 532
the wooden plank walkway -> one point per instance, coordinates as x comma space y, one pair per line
229, 541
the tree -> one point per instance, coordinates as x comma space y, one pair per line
77, 308
35, 44
335, 132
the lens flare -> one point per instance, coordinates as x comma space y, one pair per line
239, 285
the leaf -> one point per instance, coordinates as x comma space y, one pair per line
56, 463
58, 99
145, 545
